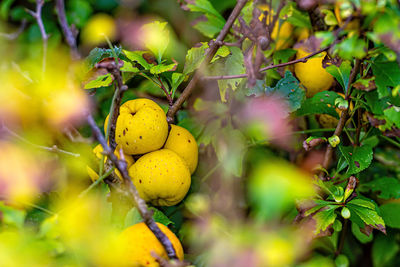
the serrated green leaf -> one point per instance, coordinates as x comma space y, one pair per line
352, 47
320, 103
391, 214
101, 81
12, 216
156, 38
160, 217
194, 57
387, 74
325, 218
137, 56
157, 69
342, 73
367, 215
97, 54
358, 158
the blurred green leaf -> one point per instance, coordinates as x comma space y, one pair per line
283, 56
156, 38
393, 115
387, 74
384, 250
103, 80
342, 73
385, 187
12, 216
358, 158
363, 238
97, 54
391, 214
160, 217
296, 17
342, 261
352, 47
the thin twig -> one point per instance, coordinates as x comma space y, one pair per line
209, 55
342, 120
38, 16
168, 95
53, 149
130, 187
95, 183
14, 35
69, 36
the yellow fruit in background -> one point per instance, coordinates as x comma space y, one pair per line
99, 26
328, 121
302, 34
312, 74
141, 126
281, 33
161, 177
182, 142
98, 152
137, 243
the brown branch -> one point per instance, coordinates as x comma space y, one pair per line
14, 35
38, 16
68, 34
168, 95
130, 187
342, 120
210, 54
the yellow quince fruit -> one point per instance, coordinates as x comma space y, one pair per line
98, 28
161, 177
98, 153
182, 142
137, 242
311, 73
141, 126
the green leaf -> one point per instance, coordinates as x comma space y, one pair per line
393, 115
176, 80
376, 104
4, 8
320, 103
223, 51
160, 217
289, 89
358, 158
391, 214
342, 261
137, 56
132, 217
387, 74
214, 21
367, 213
330, 18
101, 81
49, 227
325, 218
12, 216
194, 57
351, 48
385, 187
128, 67
342, 73
157, 69
363, 238
295, 16
156, 38
283, 56
231, 65
384, 250
97, 54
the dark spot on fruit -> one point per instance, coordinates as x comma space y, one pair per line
179, 134
127, 143
140, 137
182, 183
140, 181
126, 129
119, 135
123, 132
189, 141
133, 113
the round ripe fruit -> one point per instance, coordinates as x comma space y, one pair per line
98, 152
311, 73
137, 242
182, 142
328, 121
97, 27
281, 34
161, 177
141, 126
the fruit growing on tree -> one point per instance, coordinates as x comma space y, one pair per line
138, 242
161, 177
311, 73
141, 126
182, 142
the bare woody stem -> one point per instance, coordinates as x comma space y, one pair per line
209, 55
342, 120
132, 191
38, 17
14, 35
69, 36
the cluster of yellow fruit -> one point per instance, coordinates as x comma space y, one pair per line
162, 174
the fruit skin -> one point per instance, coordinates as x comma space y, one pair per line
141, 126
98, 152
137, 242
161, 177
311, 73
182, 142
328, 121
